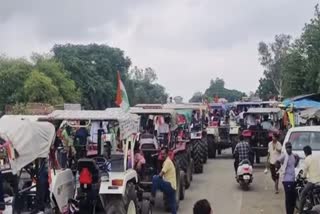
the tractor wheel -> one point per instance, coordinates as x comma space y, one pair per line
257, 157
188, 176
211, 147
192, 169
126, 204
146, 207
197, 157
182, 185
181, 160
205, 150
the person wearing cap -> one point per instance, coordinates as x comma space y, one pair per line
288, 162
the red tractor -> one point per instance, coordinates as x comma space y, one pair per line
261, 124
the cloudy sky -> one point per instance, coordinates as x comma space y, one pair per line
187, 42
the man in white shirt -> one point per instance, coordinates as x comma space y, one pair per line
266, 124
274, 152
232, 115
251, 120
163, 128
311, 171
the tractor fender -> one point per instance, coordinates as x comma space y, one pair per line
234, 130
180, 147
62, 188
107, 188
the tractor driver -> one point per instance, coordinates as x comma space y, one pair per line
266, 124
166, 181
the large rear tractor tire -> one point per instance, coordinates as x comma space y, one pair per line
188, 176
197, 156
211, 147
183, 161
126, 204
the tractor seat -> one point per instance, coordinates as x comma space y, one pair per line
246, 161
92, 167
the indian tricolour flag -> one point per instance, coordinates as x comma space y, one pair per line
122, 98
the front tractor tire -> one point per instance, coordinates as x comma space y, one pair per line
197, 157
205, 150
126, 204
211, 147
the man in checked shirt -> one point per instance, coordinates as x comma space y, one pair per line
241, 152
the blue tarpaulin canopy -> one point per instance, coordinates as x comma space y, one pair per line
304, 103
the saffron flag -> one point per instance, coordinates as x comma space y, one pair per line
122, 98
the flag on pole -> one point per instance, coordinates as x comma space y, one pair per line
122, 98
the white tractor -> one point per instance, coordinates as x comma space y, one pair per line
28, 183
106, 179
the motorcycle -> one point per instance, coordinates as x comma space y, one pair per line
244, 174
312, 197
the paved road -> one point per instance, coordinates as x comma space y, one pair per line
218, 185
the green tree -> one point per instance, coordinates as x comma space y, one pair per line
271, 57
266, 88
294, 71
217, 88
13, 73
60, 77
40, 88
310, 39
94, 69
143, 87
196, 97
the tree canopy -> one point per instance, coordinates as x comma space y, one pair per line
143, 88
217, 88
73, 74
43, 80
292, 67
196, 97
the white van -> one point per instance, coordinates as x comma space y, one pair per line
301, 137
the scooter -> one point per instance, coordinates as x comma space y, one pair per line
244, 174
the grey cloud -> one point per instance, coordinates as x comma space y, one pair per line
189, 39
70, 19
217, 24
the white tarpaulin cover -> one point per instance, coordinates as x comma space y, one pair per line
127, 123
310, 113
30, 139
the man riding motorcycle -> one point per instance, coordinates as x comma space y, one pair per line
242, 152
311, 170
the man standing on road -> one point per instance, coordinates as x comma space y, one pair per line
289, 162
241, 152
274, 153
311, 170
166, 181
